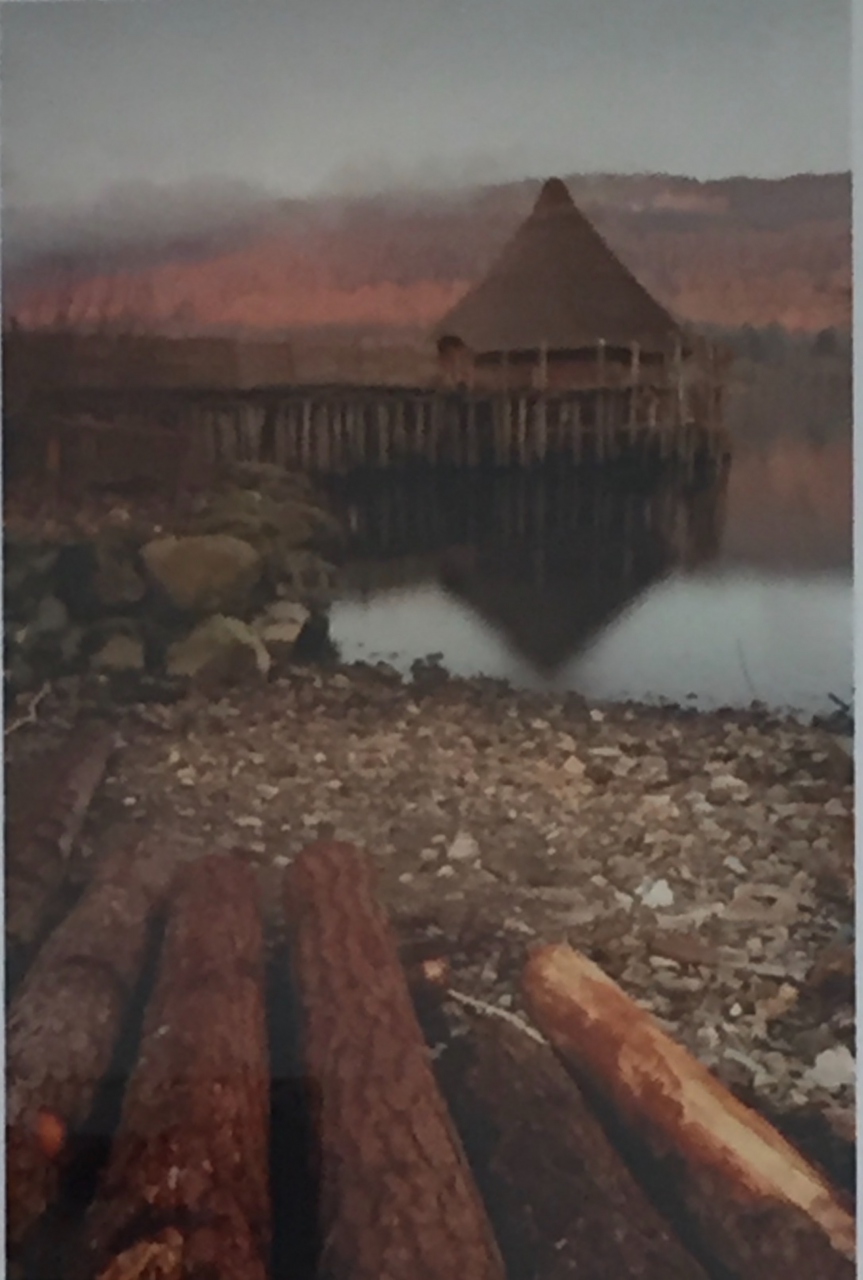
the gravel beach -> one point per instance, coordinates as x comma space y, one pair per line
704, 860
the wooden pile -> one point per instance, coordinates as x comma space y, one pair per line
403, 1194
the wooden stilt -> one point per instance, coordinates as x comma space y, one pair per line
306, 439
522, 430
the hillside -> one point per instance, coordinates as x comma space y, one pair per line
732, 252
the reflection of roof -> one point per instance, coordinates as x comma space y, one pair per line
549, 623
557, 282
547, 565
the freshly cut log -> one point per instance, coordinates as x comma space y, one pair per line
187, 1185
64, 1023
750, 1202
397, 1199
563, 1200
47, 800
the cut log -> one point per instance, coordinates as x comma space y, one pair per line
397, 1198
750, 1205
64, 1024
187, 1183
563, 1201
47, 801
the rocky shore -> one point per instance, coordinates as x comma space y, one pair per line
705, 861
142, 593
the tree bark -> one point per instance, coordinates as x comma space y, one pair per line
564, 1202
47, 802
187, 1184
63, 1026
397, 1199
749, 1203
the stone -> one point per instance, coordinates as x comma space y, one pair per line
280, 626
257, 517
116, 582
309, 576
220, 650
120, 653
657, 893
213, 573
27, 567
463, 848
834, 1069
727, 786
51, 617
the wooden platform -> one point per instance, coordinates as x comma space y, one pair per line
339, 429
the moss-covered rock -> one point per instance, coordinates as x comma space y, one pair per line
204, 574
220, 650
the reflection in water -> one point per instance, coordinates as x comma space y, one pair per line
593, 583
546, 561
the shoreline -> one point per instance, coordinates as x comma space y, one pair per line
704, 860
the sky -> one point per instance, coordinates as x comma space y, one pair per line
304, 97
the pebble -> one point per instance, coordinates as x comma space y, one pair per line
463, 848
655, 894
426, 789
834, 1069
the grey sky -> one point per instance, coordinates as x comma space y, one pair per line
306, 95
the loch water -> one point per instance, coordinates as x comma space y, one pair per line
713, 593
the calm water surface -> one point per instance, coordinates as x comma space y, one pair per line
719, 596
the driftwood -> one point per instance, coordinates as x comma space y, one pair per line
750, 1203
397, 1199
47, 802
63, 1026
563, 1201
186, 1187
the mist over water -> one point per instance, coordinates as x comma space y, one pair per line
716, 595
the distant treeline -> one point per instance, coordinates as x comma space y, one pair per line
775, 345
789, 384
781, 383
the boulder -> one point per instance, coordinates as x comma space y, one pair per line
306, 575
273, 480
204, 574
50, 619
292, 517
120, 653
27, 570
258, 518
220, 650
280, 626
117, 584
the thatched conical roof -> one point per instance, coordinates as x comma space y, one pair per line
557, 282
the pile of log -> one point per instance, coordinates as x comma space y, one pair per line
47, 801
528, 1151
745, 1204
63, 1026
186, 1189
397, 1198
752, 1205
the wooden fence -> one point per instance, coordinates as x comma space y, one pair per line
93, 437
